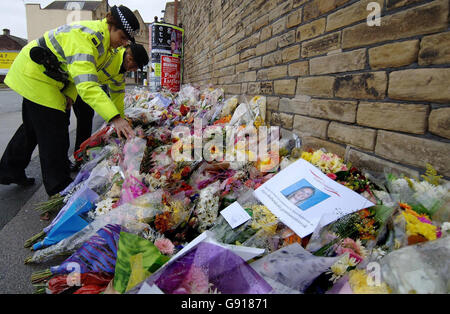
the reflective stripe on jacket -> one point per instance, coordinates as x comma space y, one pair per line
110, 75
83, 48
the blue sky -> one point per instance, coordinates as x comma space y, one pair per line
13, 17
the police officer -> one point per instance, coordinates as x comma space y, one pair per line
80, 50
113, 76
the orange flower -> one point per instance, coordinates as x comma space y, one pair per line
405, 206
223, 120
292, 239
364, 213
408, 209
162, 222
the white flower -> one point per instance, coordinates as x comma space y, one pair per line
103, 207
384, 197
155, 184
432, 191
430, 195
208, 207
378, 253
362, 250
400, 185
340, 267
445, 227
151, 234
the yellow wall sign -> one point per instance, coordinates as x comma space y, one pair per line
158, 69
7, 58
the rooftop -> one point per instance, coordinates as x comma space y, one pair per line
70, 5
21, 41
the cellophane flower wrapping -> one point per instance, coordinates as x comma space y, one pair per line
188, 94
421, 268
292, 269
137, 258
71, 221
90, 269
208, 268
169, 203
96, 255
98, 179
429, 196
133, 187
130, 215
85, 283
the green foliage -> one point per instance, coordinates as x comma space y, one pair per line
382, 213
431, 175
391, 177
346, 227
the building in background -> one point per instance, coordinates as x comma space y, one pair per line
141, 38
169, 12
57, 13
10, 46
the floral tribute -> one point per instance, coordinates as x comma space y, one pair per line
165, 204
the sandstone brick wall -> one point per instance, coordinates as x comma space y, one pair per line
379, 95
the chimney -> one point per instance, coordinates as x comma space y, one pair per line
6, 31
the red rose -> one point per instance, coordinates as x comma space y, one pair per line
332, 176
184, 110
186, 171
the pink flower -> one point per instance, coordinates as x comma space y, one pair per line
195, 282
332, 176
424, 220
352, 254
165, 246
351, 247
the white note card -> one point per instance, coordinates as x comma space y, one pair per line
235, 215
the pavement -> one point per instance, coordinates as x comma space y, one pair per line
18, 219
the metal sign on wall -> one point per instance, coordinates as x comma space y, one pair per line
166, 40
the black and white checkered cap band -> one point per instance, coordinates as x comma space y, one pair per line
127, 26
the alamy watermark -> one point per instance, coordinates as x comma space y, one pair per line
75, 14
374, 17
227, 144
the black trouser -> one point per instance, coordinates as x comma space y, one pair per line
47, 128
84, 114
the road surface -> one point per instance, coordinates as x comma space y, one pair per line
18, 219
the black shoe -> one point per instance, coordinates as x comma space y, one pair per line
19, 181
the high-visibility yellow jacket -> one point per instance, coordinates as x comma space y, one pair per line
110, 75
84, 49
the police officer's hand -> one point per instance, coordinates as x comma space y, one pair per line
69, 103
122, 127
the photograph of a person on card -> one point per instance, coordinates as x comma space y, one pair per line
304, 195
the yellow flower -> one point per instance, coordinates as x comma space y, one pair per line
414, 227
306, 156
358, 281
258, 121
264, 219
340, 267
178, 211
316, 156
250, 155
